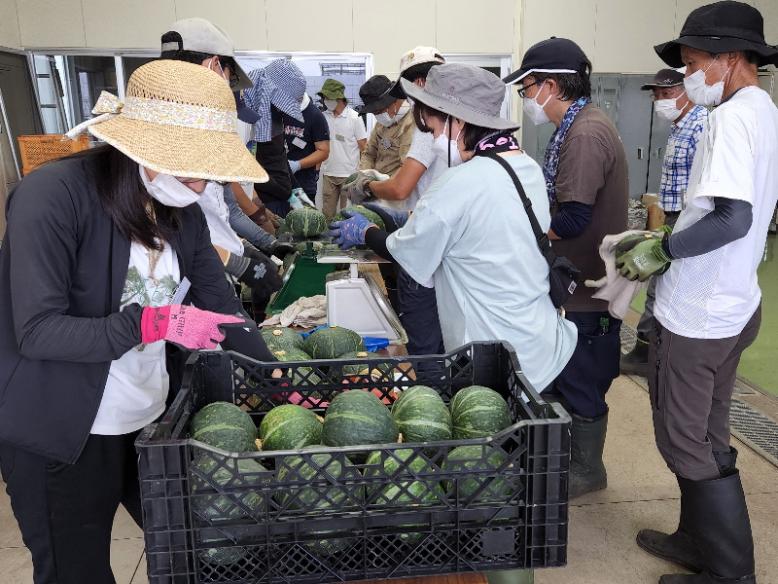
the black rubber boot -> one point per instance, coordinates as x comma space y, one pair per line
726, 461
636, 361
677, 547
587, 471
721, 529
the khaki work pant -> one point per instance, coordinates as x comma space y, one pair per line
691, 383
332, 195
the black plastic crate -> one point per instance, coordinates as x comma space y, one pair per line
312, 516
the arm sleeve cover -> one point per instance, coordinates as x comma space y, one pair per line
730, 220
572, 219
376, 240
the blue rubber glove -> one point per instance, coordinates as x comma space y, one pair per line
295, 166
394, 219
351, 231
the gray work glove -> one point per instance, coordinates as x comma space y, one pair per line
356, 188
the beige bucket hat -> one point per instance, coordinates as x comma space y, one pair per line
179, 119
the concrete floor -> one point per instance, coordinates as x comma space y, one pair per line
602, 550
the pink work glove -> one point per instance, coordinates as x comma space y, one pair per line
186, 326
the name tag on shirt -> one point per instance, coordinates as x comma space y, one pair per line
340, 137
300, 143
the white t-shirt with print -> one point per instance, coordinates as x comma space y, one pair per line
714, 295
345, 130
217, 215
138, 382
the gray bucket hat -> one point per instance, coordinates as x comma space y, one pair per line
466, 92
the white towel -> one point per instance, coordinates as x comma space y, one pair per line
614, 288
304, 312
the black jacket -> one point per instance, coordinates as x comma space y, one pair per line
63, 265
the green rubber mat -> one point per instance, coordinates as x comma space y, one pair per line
757, 366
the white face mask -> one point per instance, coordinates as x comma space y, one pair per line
535, 111
387, 120
667, 109
306, 102
167, 190
700, 92
444, 146
402, 112
331, 104
384, 119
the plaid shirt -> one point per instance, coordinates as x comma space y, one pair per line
677, 164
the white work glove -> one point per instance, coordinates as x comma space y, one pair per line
295, 202
295, 166
356, 188
302, 195
299, 199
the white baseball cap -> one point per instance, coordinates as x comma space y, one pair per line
417, 56
202, 36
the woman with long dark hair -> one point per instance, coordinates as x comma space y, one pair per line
106, 267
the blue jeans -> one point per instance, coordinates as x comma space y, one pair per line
588, 375
419, 316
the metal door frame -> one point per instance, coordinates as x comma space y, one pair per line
7, 124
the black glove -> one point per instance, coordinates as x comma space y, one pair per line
392, 218
281, 249
260, 274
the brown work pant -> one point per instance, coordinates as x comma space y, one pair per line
332, 195
691, 383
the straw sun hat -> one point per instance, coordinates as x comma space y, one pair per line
177, 119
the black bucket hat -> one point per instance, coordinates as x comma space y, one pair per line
665, 78
721, 27
375, 94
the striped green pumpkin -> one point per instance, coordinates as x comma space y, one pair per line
290, 427
222, 412
356, 418
222, 556
282, 338
477, 461
363, 369
396, 492
421, 415
249, 501
237, 473
306, 222
368, 214
319, 472
301, 376
224, 425
477, 412
332, 342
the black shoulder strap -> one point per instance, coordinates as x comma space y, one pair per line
542, 237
